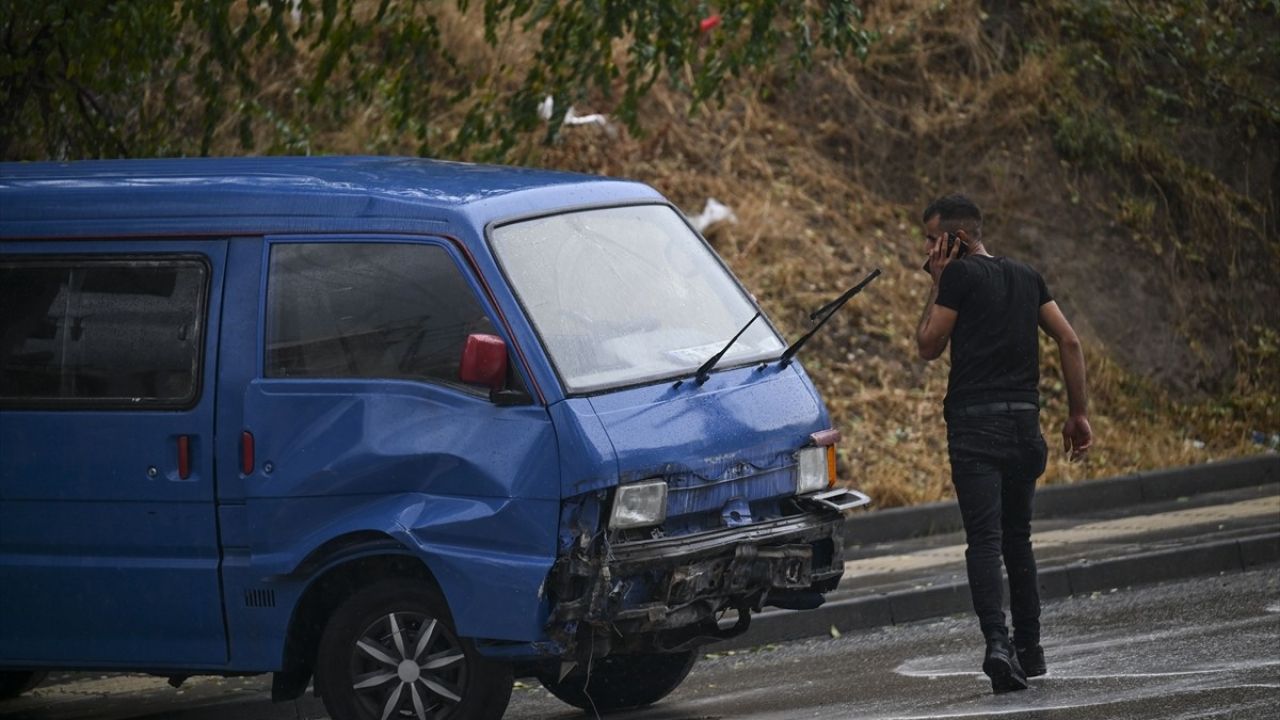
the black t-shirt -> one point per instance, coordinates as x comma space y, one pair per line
995, 346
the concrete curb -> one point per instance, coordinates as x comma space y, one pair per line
1065, 500
1081, 577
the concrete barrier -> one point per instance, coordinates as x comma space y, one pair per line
1066, 500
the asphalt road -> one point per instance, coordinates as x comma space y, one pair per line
1208, 647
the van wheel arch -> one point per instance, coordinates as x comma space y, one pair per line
329, 590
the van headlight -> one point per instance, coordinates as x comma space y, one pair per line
816, 469
639, 504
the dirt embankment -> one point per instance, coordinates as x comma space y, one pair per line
827, 174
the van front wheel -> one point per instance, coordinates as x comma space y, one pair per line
391, 651
617, 682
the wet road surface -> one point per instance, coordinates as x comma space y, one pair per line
1203, 648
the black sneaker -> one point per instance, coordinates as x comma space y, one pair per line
1032, 660
1001, 665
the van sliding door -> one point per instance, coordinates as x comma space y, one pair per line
108, 541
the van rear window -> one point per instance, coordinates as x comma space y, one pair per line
101, 332
368, 310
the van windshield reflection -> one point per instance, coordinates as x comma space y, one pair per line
627, 295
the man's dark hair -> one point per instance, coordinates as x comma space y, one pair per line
955, 212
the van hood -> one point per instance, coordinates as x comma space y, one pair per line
732, 439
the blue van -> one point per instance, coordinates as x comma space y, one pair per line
409, 428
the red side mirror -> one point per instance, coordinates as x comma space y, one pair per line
484, 361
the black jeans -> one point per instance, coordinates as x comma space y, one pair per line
995, 460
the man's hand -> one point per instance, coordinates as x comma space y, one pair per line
1077, 436
939, 258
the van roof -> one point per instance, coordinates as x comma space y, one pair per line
285, 194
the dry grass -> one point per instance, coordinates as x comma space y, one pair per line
827, 177
826, 174
792, 251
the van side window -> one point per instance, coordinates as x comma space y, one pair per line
368, 310
101, 332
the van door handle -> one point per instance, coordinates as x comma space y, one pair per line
184, 457
246, 453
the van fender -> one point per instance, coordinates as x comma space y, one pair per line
345, 548
489, 556
330, 574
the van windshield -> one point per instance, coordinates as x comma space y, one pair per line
628, 295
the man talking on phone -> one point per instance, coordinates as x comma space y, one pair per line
988, 308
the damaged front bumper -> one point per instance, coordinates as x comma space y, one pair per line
664, 594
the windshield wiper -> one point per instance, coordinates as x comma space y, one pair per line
826, 311
704, 372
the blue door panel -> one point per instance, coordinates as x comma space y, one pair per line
470, 488
123, 597
375, 437
107, 556
52, 456
240, 354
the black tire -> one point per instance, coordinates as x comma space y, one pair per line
425, 672
14, 683
618, 682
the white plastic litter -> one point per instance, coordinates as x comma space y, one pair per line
714, 212
573, 118
547, 108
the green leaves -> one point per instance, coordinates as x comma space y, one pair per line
105, 78
1165, 101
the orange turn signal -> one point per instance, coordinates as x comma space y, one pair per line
831, 466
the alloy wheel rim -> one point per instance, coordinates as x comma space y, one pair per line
408, 665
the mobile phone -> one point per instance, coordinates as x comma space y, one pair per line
952, 239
